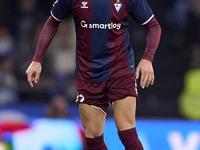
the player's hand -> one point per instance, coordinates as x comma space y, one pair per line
33, 72
147, 73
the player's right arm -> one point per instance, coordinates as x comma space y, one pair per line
33, 72
47, 34
60, 10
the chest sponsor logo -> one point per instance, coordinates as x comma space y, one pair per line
118, 5
84, 4
109, 26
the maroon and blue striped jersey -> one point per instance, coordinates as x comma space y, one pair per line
103, 49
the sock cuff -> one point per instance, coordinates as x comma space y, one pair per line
94, 142
128, 130
96, 138
128, 136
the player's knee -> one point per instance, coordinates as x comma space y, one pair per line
91, 132
126, 127
128, 124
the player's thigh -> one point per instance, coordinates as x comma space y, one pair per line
124, 113
93, 120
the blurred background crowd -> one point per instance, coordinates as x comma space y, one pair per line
175, 93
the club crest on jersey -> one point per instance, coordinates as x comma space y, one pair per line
118, 5
84, 4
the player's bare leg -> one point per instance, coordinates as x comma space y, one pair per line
124, 116
93, 121
124, 113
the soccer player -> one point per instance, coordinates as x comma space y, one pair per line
105, 71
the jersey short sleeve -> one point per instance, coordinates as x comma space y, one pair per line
140, 11
61, 9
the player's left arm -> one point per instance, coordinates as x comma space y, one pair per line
145, 66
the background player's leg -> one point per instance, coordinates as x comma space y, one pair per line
93, 121
124, 115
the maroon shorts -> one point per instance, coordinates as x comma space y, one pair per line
100, 94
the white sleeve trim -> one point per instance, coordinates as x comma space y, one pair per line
55, 17
148, 20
